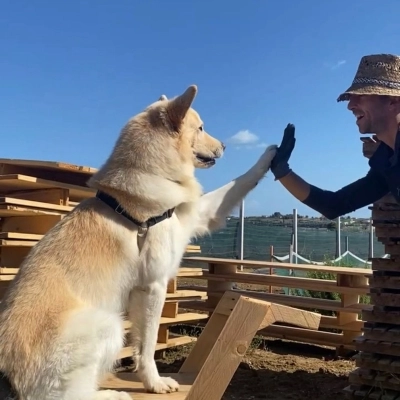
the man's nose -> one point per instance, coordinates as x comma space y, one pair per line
352, 102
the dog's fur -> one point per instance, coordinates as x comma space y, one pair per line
61, 319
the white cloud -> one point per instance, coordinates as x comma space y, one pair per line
335, 65
243, 137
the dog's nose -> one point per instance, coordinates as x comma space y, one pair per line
223, 145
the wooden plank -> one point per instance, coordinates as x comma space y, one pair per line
382, 215
173, 341
30, 225
306, 336
170, 310
301, 301
385, 264
163, 334
292, 316
383, 230
365, 392
20, 236
378, 362
326, 321
34, 204
180, 318
324, 285
9, 271
381, 332
53, 196
377, 346
193, 248
221, 346
6, 278
268, 264
179, 295
130, 383
374, 379
13, 255
385, 297
385, 282
393, 250
189, 271
17, 243
332, 322
172, 286
14, 182
49, 165
383, 316
17, 211
388, 241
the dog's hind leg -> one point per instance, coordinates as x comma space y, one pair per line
95, 338
145, 310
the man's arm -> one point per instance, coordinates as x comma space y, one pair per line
352, 197
330, 204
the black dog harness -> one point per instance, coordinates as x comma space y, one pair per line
143, 226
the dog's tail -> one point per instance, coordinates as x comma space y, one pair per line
7, 392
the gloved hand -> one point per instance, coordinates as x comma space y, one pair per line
279, 165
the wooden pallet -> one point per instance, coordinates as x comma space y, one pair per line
35, 196
207, 371
377, 373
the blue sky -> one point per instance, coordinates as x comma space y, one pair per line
73, 72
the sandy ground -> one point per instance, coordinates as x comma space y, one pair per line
281, 370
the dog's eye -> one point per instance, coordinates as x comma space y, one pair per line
201, 128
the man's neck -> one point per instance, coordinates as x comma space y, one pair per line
389, 137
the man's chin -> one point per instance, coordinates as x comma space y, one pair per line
363, 130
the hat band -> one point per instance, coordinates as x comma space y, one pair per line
380, 82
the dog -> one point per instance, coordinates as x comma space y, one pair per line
61, 320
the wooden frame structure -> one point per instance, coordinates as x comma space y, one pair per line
34, 196
350, 283
210, 366
377, 373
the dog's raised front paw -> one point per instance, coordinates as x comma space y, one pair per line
111, 395
163, 385
269, 154
264, 162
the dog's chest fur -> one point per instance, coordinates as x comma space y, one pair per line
156, 256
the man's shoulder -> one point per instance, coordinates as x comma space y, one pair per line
381, 158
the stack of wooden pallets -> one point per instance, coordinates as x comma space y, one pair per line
377, 375
34, 196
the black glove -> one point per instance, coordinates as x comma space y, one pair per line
279, 164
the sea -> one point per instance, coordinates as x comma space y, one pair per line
314, 244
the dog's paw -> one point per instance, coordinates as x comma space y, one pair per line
269, 155
264, 162
163, 385
111, 395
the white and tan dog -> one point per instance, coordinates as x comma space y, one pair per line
61, 320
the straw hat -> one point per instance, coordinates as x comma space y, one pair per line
376, 74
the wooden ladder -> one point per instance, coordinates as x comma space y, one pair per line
210, 366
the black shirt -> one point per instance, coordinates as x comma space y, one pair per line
382, 178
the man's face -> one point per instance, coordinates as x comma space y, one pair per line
372, 112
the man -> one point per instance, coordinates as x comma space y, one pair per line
374, 99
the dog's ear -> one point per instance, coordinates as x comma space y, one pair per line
179, 106
163, 97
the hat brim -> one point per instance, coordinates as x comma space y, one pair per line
367, 89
